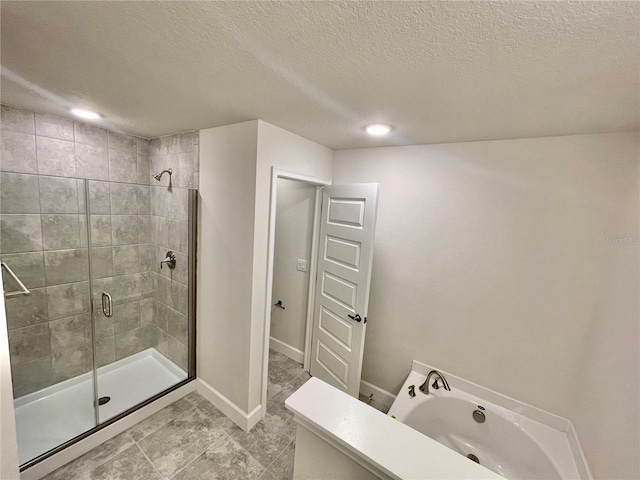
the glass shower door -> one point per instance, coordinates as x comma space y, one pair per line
108, 323
140, 293
122, 290
43, 245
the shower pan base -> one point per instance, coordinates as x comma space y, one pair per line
56, 414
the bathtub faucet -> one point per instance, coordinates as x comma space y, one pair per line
424, 388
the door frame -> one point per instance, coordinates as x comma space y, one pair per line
277, 173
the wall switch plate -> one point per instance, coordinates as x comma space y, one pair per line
301, 265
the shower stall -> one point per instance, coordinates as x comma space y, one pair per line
98, 270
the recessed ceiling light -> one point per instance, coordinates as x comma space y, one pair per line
82, 113
378, 129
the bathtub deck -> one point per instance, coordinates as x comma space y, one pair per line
555, 435
391, 448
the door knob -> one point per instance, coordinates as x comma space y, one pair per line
357, 317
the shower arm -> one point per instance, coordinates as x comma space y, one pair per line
158, 176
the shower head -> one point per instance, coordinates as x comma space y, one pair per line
158, 176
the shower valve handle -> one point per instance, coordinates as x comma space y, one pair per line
170, 260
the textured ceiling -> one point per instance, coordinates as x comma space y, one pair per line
437, 71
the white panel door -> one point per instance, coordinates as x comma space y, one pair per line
345, 253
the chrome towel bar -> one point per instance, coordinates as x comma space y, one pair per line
23, 289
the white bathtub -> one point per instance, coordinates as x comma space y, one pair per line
516, 440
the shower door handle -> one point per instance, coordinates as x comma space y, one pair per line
107, 305
23, 289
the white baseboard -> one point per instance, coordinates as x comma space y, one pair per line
288, 350
379, 395
74, 451
244, 420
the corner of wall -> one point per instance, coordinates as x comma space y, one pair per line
282, 149
225, 258
235, 190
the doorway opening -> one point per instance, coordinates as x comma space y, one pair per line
336, 280
295, 205
295, 214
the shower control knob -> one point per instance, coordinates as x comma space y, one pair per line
170, 260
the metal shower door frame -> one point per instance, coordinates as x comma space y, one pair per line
191, 367
92, 321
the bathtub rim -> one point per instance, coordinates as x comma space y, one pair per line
551, 420
387, 448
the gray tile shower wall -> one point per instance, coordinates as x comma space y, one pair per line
169, 231
43, 238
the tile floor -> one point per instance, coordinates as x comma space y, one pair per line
192, 440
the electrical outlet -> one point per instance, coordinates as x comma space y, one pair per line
301, 265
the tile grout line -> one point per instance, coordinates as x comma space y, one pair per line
148, 459
199, 455
251, 455
98, 464
164, 424
225, 438
229, 439
278, 456
275, 400
193, 407
145, 436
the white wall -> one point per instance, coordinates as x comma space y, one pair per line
294, 228
490, 262
284, 150
8, 440
316, 458
235, 184
225, 258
